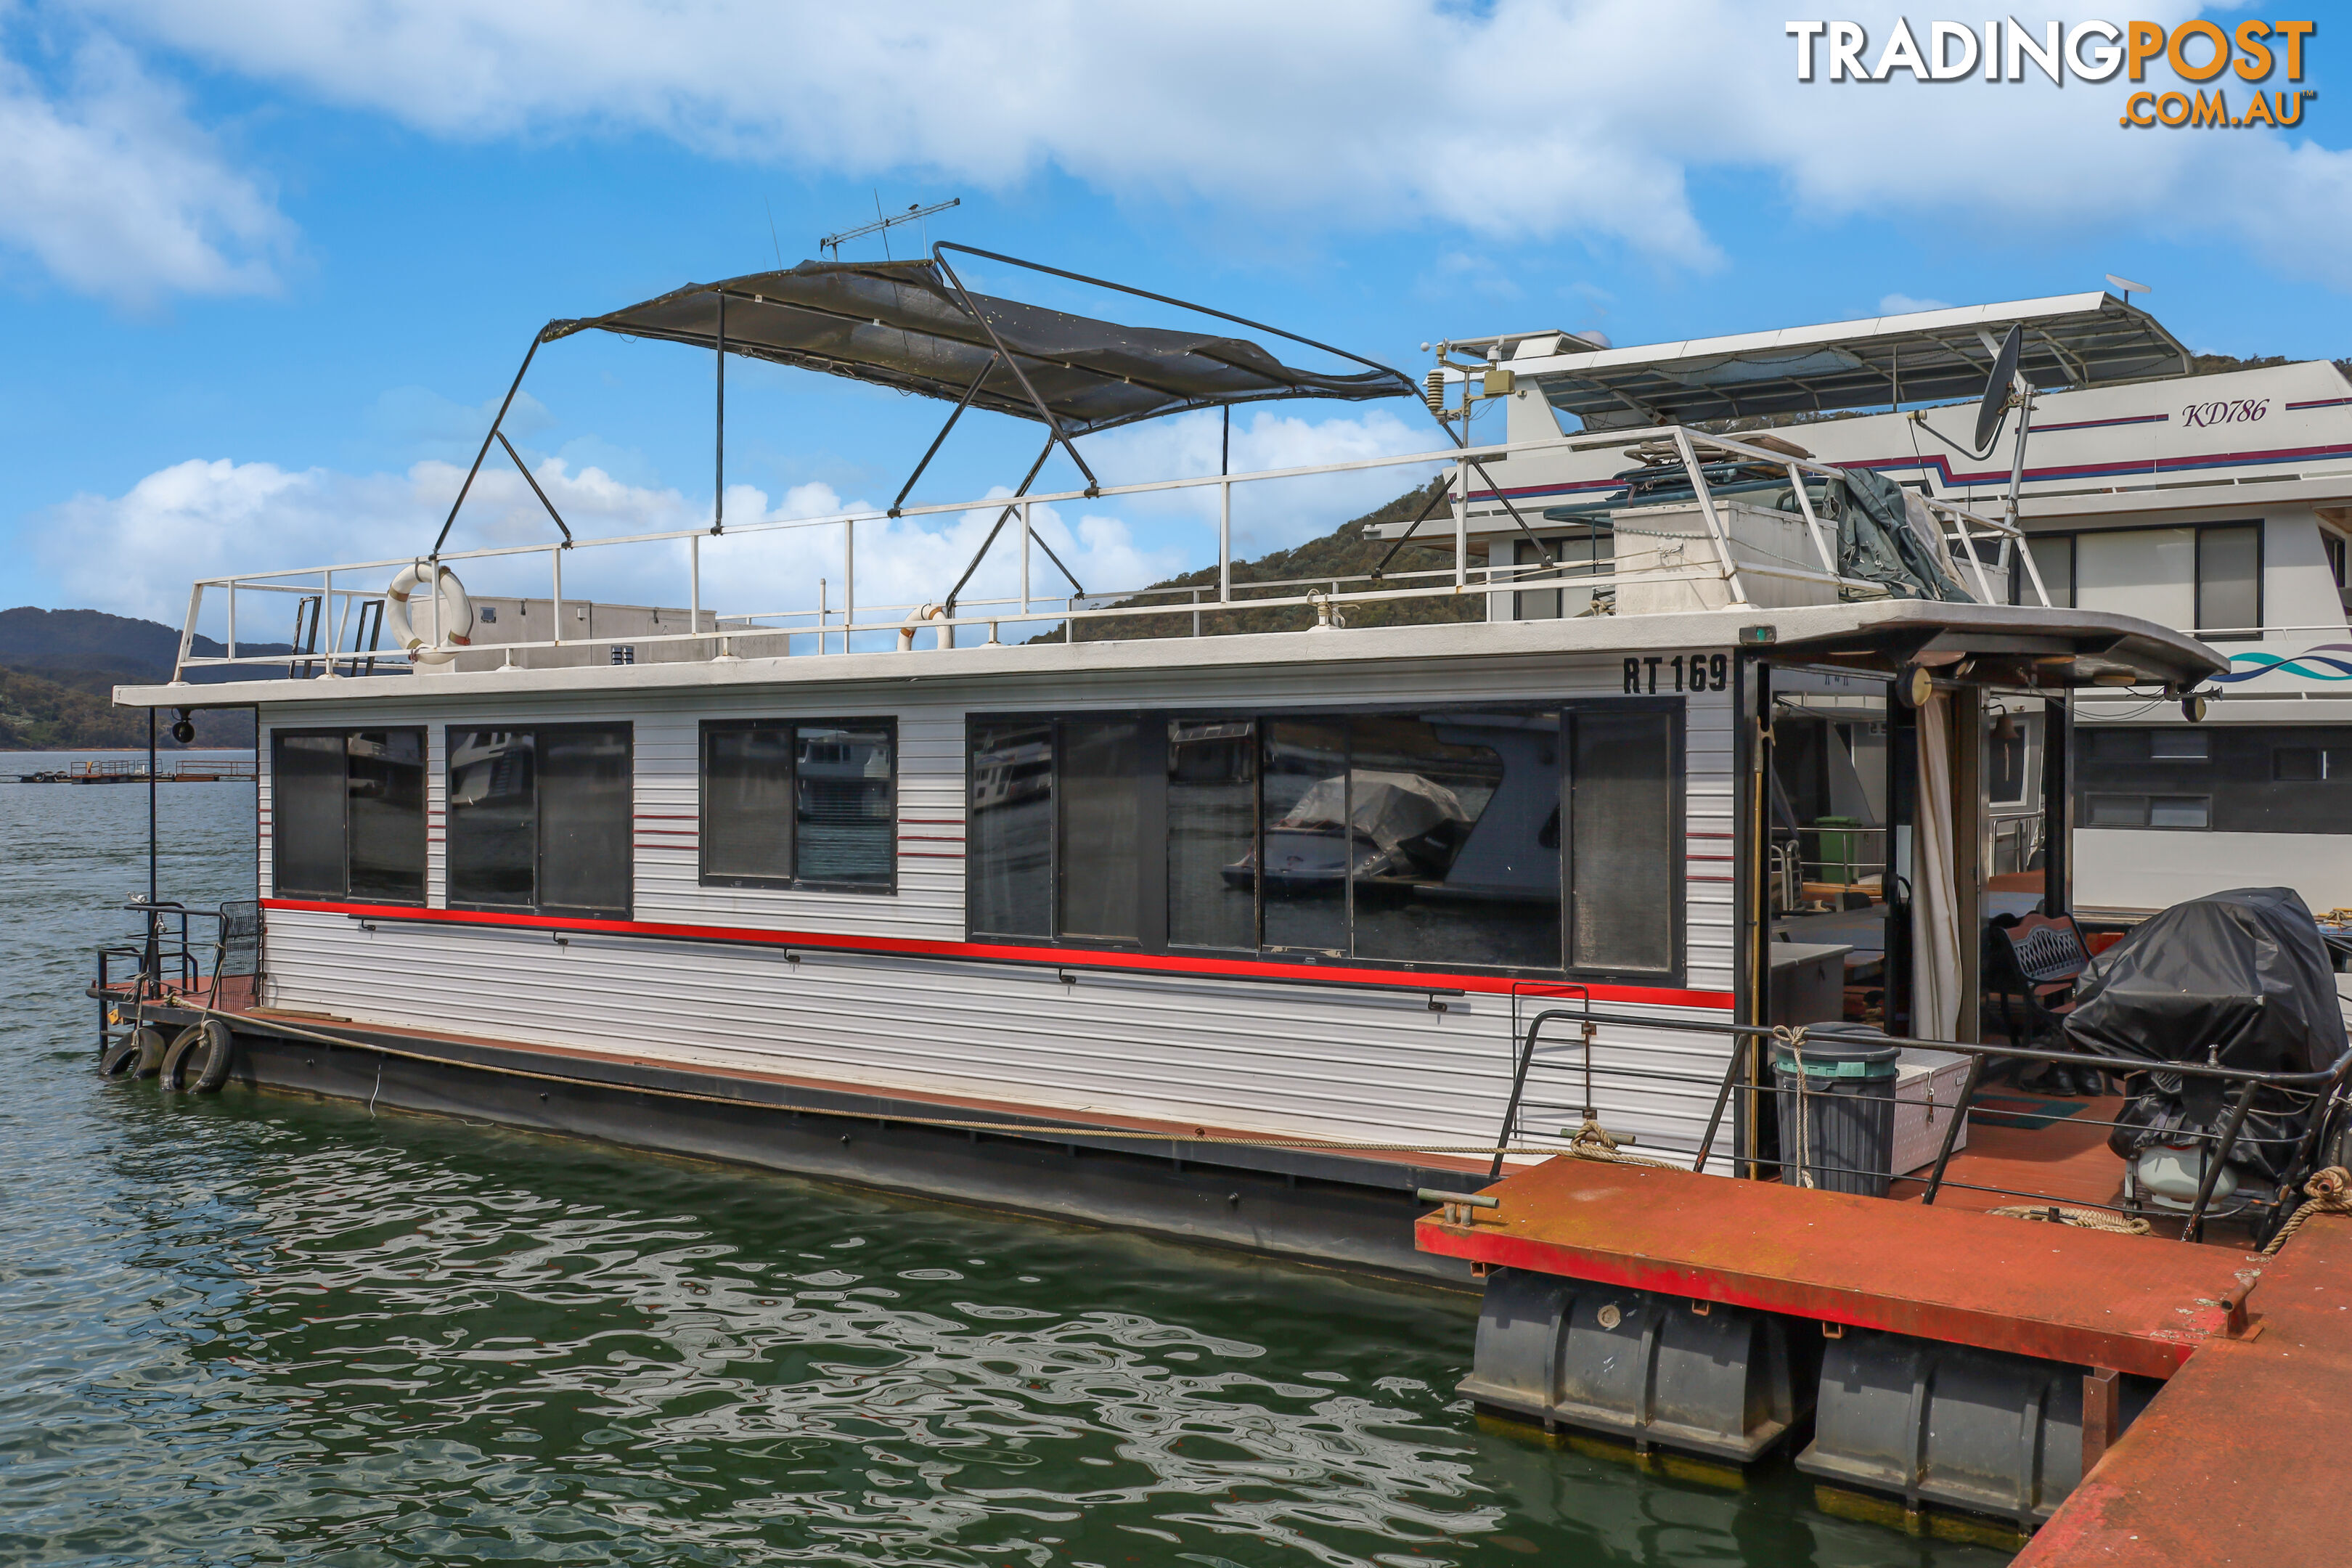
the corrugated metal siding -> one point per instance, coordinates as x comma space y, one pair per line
1335, 1063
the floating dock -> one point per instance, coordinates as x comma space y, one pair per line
2253, 1354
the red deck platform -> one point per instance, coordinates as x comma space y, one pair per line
2134, 1303
2239, 1459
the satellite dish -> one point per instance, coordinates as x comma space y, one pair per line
2128, 288
1998, 386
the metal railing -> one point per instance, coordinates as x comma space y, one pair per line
2321, 1093
341, 605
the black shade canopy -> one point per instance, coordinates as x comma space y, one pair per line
905, 324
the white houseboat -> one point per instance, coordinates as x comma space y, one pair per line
1235, 937
2219, 504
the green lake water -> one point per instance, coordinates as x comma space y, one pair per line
248, 1329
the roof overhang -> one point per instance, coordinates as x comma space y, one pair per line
2004, 644
1923, 356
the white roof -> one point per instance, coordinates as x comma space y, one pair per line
2071, 340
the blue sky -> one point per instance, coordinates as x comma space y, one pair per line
265, 267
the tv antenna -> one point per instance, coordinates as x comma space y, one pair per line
914, 214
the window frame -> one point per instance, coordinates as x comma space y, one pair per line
2261, 539
343, 732
795, 883
538, 907
1153, 819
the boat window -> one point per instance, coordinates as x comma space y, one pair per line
2230, 581
1010, 834
810, 805
1419, 837
2053, 558
2299, 765
1212, 829
1624, 859
540, 819
347, 815
1095, 849
2180, 746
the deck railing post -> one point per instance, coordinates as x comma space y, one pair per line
2195, 1227
1226, 541
555, 560
1462, 522
694, 584
232, 617
188, 630
1024, 557
848, 579
1952, 1128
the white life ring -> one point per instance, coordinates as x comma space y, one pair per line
456, 619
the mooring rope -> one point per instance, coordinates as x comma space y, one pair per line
2081, 1219
2330, 1191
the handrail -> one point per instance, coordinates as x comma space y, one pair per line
1965, 530
2321, 1086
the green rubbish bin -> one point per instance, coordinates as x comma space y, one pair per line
1837, 845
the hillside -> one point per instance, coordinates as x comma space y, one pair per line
1345, 552
58, 669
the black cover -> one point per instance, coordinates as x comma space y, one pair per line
902, 324
2240, 979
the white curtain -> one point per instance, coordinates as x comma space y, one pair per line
1935, 901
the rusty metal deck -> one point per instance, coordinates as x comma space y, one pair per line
2239, 1459
2133, 1303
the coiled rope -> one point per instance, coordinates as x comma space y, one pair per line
2330, 1191
2081, 1219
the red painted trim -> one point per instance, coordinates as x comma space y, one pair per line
1093, 958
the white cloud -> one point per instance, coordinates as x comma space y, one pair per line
136, 554
116, 193
1525, 120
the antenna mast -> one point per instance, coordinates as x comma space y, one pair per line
833, 242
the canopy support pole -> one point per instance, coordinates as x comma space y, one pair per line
1437, 489
719, 439
969, 393
524, 469
151, 958
1094, 485
442, 538
1002, 518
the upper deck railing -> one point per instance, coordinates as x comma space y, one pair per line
337, 606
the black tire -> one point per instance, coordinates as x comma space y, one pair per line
185, 1052
139, 1054
219, 1054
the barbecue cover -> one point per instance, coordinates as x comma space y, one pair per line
2240, 979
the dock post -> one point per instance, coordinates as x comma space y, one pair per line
152, 957
2102, 1413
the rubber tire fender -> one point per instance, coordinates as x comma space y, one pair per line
139, 1054
199, 1058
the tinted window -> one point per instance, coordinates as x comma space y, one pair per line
1308, 846
2230, 578
1212, 830
2114, 811
1097, 845
846, 806
2179, 746
493, 840
348, 815
306, 816
747, 803
2179, 811
386, 776
1458, 819
1010, 833
585, 819
1623, 856
2298, 764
